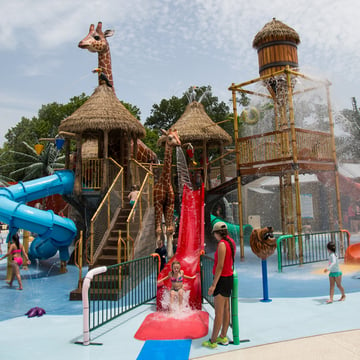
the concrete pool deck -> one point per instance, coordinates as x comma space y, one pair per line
296, 324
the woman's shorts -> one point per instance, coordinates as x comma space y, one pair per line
335, 274
224, 286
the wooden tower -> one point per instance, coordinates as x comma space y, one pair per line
288, 150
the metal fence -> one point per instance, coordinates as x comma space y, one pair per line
310, 248
206, 266
121, 288
109, 292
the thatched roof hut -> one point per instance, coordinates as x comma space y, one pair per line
102, 111
105, 119
196, 127
275, 30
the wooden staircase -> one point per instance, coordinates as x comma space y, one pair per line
107, 257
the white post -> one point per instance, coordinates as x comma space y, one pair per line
85, 299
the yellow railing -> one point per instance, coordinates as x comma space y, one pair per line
275, 147
92, 173
110, 204
224, 163
143, 203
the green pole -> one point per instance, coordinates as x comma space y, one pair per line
234, 310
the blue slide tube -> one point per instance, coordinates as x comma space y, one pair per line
53, 231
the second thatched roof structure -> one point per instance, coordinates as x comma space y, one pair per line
102, 111
196, 127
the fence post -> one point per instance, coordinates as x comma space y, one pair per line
279, 249
234, 310
85, 299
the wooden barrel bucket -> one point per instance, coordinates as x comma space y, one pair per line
275, 55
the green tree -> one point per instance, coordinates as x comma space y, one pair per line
31, 165
134, 110
44, 125
31, 130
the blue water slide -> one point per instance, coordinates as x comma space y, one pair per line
53, 231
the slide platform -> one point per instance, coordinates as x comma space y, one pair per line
53, 231
352, 254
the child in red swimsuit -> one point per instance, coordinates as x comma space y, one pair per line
15, 250
176, 276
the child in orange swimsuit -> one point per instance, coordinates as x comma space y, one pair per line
15, 250
176, 276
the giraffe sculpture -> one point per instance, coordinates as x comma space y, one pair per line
95, 41
164, 197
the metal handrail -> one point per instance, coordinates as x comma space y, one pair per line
78, 257
105, 202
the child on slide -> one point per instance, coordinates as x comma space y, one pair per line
176, 276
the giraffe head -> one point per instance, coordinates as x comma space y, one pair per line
171, 137
96, 41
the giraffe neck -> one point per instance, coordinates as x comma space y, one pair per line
104, 62
166, 173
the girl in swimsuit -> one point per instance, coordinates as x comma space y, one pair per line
15, 250
176, 276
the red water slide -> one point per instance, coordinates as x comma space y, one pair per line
190, 244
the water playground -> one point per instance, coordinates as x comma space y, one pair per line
92, 289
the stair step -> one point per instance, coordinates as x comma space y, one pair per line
110, 250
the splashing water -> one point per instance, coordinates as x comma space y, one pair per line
175, 310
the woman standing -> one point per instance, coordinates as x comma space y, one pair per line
15, 250
222, 285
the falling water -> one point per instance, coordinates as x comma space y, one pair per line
182, 171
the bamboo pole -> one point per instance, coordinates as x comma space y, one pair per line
79, 258
238, 176
295, 160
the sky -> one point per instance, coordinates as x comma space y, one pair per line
162, 47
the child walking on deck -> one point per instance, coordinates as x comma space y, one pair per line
335, 275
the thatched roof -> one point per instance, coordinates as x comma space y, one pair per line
275, 30
195, 126
102, 111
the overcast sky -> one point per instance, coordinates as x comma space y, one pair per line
162, 47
